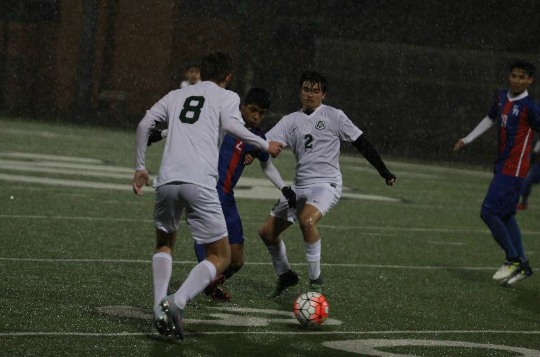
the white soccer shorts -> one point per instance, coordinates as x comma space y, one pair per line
322, 197
204, 216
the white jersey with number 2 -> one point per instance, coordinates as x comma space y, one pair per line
315, 141
195, 116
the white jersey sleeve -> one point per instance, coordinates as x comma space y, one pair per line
347, 131
157, 114
279, 132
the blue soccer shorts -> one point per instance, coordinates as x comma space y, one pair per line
503, 195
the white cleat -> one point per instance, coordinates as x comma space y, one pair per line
524, 272
507, 271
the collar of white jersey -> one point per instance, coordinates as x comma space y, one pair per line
315, 111
208, 83
519, 97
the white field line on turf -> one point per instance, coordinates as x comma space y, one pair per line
245, 222
189, 262
22, 155
32, 167
136, 334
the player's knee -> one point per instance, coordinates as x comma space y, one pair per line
265, 234
307, 223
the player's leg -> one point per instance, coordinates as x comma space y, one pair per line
167, 211
495, 206
236, 241
207, 224
309, 217
525, 269
533, 177
200, 252
515, 235
270, 234
319, 200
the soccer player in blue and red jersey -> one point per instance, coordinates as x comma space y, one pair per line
232, 160
516, 116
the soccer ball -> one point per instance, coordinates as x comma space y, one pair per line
311, 308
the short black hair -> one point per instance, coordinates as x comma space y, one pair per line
526, 66
193, 64
258, 96
216, 66
314, 77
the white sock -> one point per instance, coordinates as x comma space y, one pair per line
199, 277
313, 257
279, 258
161, 274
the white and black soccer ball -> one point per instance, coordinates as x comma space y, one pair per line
311, 308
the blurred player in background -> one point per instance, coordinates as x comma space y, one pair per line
533, 177
187, 180
516, 116
314, 134
232, 160
192, 74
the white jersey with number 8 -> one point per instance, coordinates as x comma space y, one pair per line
194, 117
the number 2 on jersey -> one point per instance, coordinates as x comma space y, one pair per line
309, 139
190, 108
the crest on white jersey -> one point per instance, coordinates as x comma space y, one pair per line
320, 125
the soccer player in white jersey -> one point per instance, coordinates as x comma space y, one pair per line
314, 134
187, 180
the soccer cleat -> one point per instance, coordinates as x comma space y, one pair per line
174, 313
316, 285
524, 272
216, 292
507, 271
161, 321
285, 280
522, 206
219, 294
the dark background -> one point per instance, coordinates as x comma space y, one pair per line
414, 75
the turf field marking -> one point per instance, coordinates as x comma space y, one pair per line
22, 155
369, 347
137, 334
192, 262
237, 316
446, 243
241, 191
247, 221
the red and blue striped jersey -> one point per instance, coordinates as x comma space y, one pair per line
231, 161
516, 119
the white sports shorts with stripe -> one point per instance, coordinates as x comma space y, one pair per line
323, 197
204, 216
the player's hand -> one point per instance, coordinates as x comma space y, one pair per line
248, 159
274, 148
290, 195
390, 179
155, 136
459, 145
140, 179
